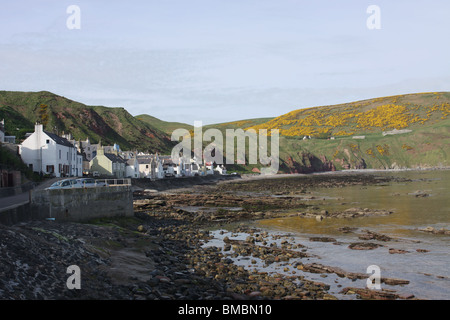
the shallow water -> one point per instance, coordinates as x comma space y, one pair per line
428, 272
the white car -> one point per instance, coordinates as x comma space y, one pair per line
65, 184
90, 183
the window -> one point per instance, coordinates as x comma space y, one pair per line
59, 154
50, 169
47, 141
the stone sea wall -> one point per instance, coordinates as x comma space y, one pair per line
76, 205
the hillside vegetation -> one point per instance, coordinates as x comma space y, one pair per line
332, 129
368, 116
164, 126
21, 110
427, 145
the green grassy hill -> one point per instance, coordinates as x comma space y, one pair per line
112, 125
164, 126
332, 129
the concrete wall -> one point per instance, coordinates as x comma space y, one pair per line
81, 204
16, 214
75, 205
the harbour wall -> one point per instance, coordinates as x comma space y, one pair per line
76, 205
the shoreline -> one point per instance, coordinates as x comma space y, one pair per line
250, 176
161, 253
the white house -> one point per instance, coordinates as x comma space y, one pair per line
48, 153
90, 150
132, 168
182, 169
151, 166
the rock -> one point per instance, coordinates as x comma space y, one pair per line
392, 251
427, 229
370, 235
250, 239
364, 246
394, 281
365, 293
347, 229
419, 194
319, 218
254, 294
435, 231
322, 239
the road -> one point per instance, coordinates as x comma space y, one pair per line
19, 199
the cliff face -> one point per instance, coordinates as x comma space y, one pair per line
308, 163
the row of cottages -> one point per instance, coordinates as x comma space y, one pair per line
49, 154
130, 164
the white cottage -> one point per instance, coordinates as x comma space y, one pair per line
132, 168
150, 166
48, 153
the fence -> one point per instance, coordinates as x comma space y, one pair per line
114, 182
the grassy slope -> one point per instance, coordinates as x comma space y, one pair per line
111, 125
427, 145
425, 113
367, 116
165, 126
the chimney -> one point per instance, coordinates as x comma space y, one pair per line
38, 127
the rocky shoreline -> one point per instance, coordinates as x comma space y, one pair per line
160, 254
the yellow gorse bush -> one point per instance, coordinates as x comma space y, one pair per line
344, 120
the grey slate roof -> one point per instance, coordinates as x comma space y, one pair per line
114, 158
59, 140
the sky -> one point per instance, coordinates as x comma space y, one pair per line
224, 60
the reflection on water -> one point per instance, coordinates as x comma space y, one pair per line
424, 201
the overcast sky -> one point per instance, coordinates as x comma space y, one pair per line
224, 60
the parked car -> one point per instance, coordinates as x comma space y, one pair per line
90, 182
65, 184
95, 174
